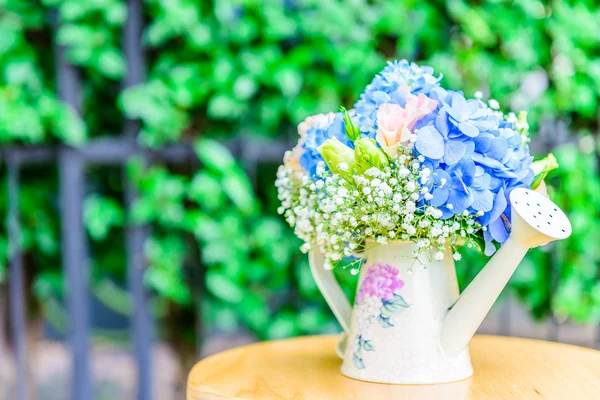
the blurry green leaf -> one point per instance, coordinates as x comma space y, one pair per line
100, 214
221, 287
214, 155
239, 190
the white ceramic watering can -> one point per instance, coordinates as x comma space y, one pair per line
410, 325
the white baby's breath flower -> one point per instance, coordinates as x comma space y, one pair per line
438, 256
456, 256
382, 239
494, 105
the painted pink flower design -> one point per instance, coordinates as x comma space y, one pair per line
380, 282
377, 302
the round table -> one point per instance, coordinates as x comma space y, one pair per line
307, 368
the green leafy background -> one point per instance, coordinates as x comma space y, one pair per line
251, 70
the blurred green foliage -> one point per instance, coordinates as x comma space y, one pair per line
250, 69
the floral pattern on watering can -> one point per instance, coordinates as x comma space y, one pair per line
377, 302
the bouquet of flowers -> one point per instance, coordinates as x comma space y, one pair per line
411, 161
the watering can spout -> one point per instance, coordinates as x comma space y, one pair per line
535, 221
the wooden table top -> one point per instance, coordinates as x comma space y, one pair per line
307, 368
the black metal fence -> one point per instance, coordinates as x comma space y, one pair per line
72, 165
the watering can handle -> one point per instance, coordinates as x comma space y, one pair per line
330, 288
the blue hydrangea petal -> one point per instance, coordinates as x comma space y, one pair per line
454, 151
441, 122
430, 143
485, 124
500, 204
506, 174
465, 170
446, 213
470, 148
381, 97
482, 143
440, 174
460, 201
498, 230
487, 161
482, 181
440, 195
489, 243
468, 129
459, 110
483, 200
498, 148
495, 183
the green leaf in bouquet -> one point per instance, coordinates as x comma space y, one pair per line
542, 168
350, 126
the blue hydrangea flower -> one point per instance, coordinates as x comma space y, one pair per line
470, 116
481, 158
316, 135
385, 89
